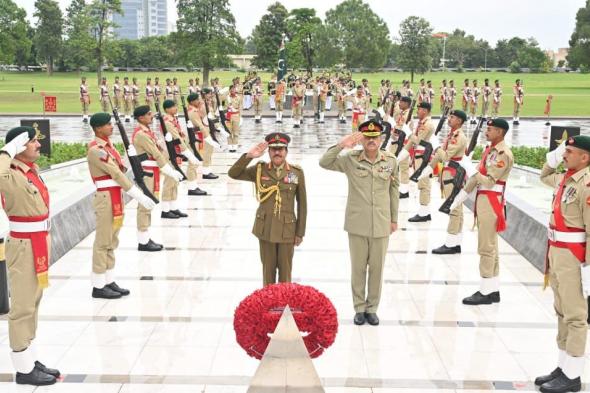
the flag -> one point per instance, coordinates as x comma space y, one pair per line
282, 65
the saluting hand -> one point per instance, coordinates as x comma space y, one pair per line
257, 150
350, 141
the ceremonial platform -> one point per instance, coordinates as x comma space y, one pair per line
174, 333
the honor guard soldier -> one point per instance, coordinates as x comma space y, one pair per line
489, 179
297, 102
135, 91
117, 93
497, 99
486, 94
567, 268
341, 98
451, 94
453, 149
257, 97
157, 90
175, 91
280, 99
191, 170
144, 141
323, 89
108, 175
518, 91
475, 92
233, 117
272, 91
192, 89
128, 97
371, 212
149, 93
467, 93
359, 105
168, 89
196, 114
443, 96
422, 91
430, 92
26, 203
84, 99
400, 118
104, 95
279, 185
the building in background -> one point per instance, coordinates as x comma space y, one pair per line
141, 18
557, 56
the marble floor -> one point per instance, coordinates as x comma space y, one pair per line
174, 332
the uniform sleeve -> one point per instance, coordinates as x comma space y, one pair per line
301, 198
109, 167
585, 201
241, 171
5, 174
171, 127
332, 161
147, 144
495, 172
549, 177
456, 148
198, 122
424, 134
394, 193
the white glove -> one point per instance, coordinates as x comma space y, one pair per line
211, 142
406, 129
17, 145
225, 133
131, 152
168, 137
459, 199
191, 157
241, 118
381, 112
467, 164
135, 193
210, 116
402, 155
224, 90
171, 172
435, 143
585, 280
555, 157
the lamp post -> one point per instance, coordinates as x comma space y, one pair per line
443, 60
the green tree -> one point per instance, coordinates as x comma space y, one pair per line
14, 41
101, 25
267, 36
207, 28
48, 36
303, 27
79, 43
249, 46
361, 36
414, 50
459, 45
327, 54
579, 53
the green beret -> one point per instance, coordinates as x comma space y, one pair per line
99, 119
460, 114
192, 97
579, 141
16, 131
207, 90
168, 104
141, 111
425, 105
406, 99
500, 123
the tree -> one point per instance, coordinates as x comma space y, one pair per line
79, 43
360, 35
303, 27
459, 45
414, 50
249, 46
14, 41
267, 36
326, 52
100, 12
48, 36
579, 53
207, 29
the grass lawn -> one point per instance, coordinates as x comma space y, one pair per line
571, 92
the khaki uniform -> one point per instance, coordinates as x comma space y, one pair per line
490, 181
372, 206
135, 91
149, 96
467, 96
563, 267
128, 97
257, 97
103, 164
170, 186
117, 95
423, 132
298, 102
497, 101
474, 101
485, 105
453, 149
104, 98
276, 224
518, 100
401, 117
280, 96
444, 92
359, 103
195, 116
234, 110
323, 95
22, 199
451, 94
341, 102
84, 99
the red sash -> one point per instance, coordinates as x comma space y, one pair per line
116, 201
497, 206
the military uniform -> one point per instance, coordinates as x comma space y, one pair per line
104, 97
359, 104
518, 91
233, 116
486, 93
170, 186
84, 100
322, 97
128, 103
443, 97
196, 114
280, 100
257, 97
467, 95
341, 102
475, 92
297, 103
400, 118
117, 95
276, 224
135, 92
372, 206
149, 95
497, 100
451, 94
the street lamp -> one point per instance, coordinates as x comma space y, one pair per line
444, 37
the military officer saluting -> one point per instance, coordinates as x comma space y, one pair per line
26, 202
108, 175
279, 185
568, 260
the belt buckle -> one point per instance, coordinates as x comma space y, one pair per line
551, 234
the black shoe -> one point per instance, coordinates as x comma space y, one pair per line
447, 250
280, 122
562, 384
179, 213
477, 298
197, 192
51, 371
296, 126
277, 122
359, 318
232, 150
210, 176
515, 122
35, 378
257, 121
549, 377
84, 120
495, 296
169, 214
127, 120
105, 293
161, 247
116, 288
404, 195
372, 318
301, 121
419, 218
150, 246
321, 122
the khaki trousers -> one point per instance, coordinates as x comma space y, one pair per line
85, 106
106, 240
169, 189
569, 302
516, 109
487, 238
495, 109
258, 106
276, 256
104, 103
298, 110
455, 225
424, 186
279, 105
367, 253
234, 127
128, 106
485, 108
144, 216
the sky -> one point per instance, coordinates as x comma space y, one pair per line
550, 22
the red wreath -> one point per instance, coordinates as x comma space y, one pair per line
259, 313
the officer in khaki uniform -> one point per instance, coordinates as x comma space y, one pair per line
26, 202
298, 102
196, 114
278, 185
257, 92
108, 175
567, 269
400, 118
423, 132
233, 116
280, 99
144, 141
453, 148
489, 178
371, 212
341, 100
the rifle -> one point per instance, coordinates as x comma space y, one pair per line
222, 117
457, 182
190, 130
170, 145
210, 122
428, 150
386, 129
441, 121
135, 160
475, 136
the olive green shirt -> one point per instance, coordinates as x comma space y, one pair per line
373, 195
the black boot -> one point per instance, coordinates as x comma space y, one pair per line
35, 378
419, 218
372, 318
477, 298
562, 384
105, 293
179, 213
359, 318
169, 214
404, 195
116, 288
296, 126
549, 377
150, 246
51, 371
447, 250
197, 192
210, 176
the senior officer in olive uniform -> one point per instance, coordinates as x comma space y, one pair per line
278, 185
26, 202
453, 148
490, 180
371, 212
108, 174
144, 141
567, 268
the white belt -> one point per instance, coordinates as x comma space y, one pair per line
106, 183
566, 237
149, 164
499, 188
29, 227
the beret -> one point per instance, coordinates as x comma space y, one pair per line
460, 114
192, 97
579, 141
500, 123
100, 119
168, 104
141, 111
16, 131
425, 105
406, 99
